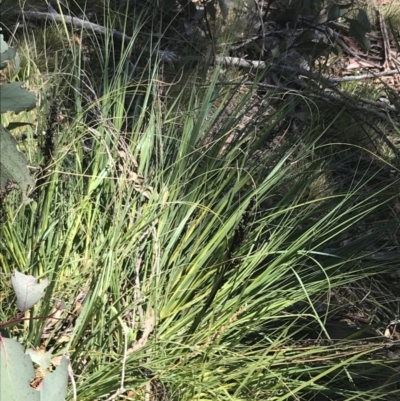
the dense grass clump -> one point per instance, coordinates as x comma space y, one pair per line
199, 232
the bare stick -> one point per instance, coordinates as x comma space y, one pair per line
369, 75
71, 377
138, 295
259, 65
241, 62
386, 43
166, 56
76, 22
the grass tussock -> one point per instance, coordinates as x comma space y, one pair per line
203, 236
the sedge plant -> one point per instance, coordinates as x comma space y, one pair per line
183, 245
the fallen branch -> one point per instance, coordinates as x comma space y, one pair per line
259, 65
76, 22
241, 62
344, 100
368, 75
386, 42
166, 56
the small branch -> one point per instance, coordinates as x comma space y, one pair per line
138, 295
165, 55
261, 65
71, 377
19, 318
241, 62
344, 100
76, 22
256, 64
363, 109
243, 43
386, 42
369, 75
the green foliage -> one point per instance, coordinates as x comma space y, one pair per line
191, 250
16, 99
359, 28
13, 163
336, 11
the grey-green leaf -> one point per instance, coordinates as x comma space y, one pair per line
27, 289
13, 165
43, 359
15, 98
6, 53
16, 373
55, 384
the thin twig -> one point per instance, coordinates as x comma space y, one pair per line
368, 75
148, 385
147, 326
138, 295
386, 43
71, 377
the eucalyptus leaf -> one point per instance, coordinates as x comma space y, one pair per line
17, 372
224, 9
336, 11
55, 384
43, 359
358, 31
28, 290
13, 165
6, 53
363, 19
15, 98
211, 11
